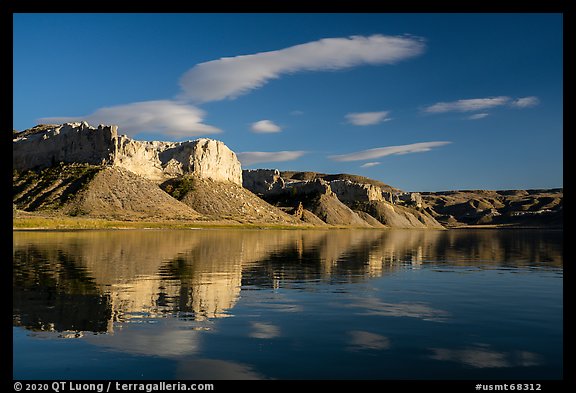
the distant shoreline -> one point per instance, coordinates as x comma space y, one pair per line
33, 222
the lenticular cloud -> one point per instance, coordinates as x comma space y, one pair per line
167, 116
231, 77
256, 157
387, 151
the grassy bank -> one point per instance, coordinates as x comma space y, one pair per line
70, 223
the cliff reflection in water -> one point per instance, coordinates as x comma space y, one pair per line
95, 280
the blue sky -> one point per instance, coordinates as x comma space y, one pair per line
423, 102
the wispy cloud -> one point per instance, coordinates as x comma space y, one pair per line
477, 116
265, 127
475, 104
367, 118
369, 164
387, 151
481, 104
254, 157
165, 116
525, 102
230, 77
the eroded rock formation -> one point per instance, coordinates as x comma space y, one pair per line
45, 146
263, 181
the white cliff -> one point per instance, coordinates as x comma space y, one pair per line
348, 191
158, 161
263, 181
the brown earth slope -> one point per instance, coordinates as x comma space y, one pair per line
51, 188
95, 191
507, 207
333, 212
225, 200
120, 194
396, 216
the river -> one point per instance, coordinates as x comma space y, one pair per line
288, 304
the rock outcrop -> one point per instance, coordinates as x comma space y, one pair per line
263, 181
340, 201
505, 207
45, 146
409, 199
77, 169
348, 191
397, 216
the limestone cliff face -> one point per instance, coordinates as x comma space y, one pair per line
263, 181
348, 191
43, 147
159, 161
71, 142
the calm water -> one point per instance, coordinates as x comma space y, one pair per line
235, 304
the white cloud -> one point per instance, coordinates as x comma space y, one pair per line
387, 151
265, 127
475, 104
525, 102
254, 157
369, 164
297, 113
233, 76
478, 116
367, 118
164, 116
481, 104
230, 77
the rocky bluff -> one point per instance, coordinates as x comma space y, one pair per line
46, 145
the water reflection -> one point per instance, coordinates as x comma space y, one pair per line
486, 357
376, 307
98, 280
362, 340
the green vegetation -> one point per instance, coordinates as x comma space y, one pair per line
178, 188
65, 222
50, 188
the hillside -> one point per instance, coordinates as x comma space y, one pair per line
50, 188
224, 200
77, 170
95, 191
506, 207
338, 209
293, 175
398, 216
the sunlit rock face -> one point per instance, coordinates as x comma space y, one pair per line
47, 145
348, 191
263, 181
44, 146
